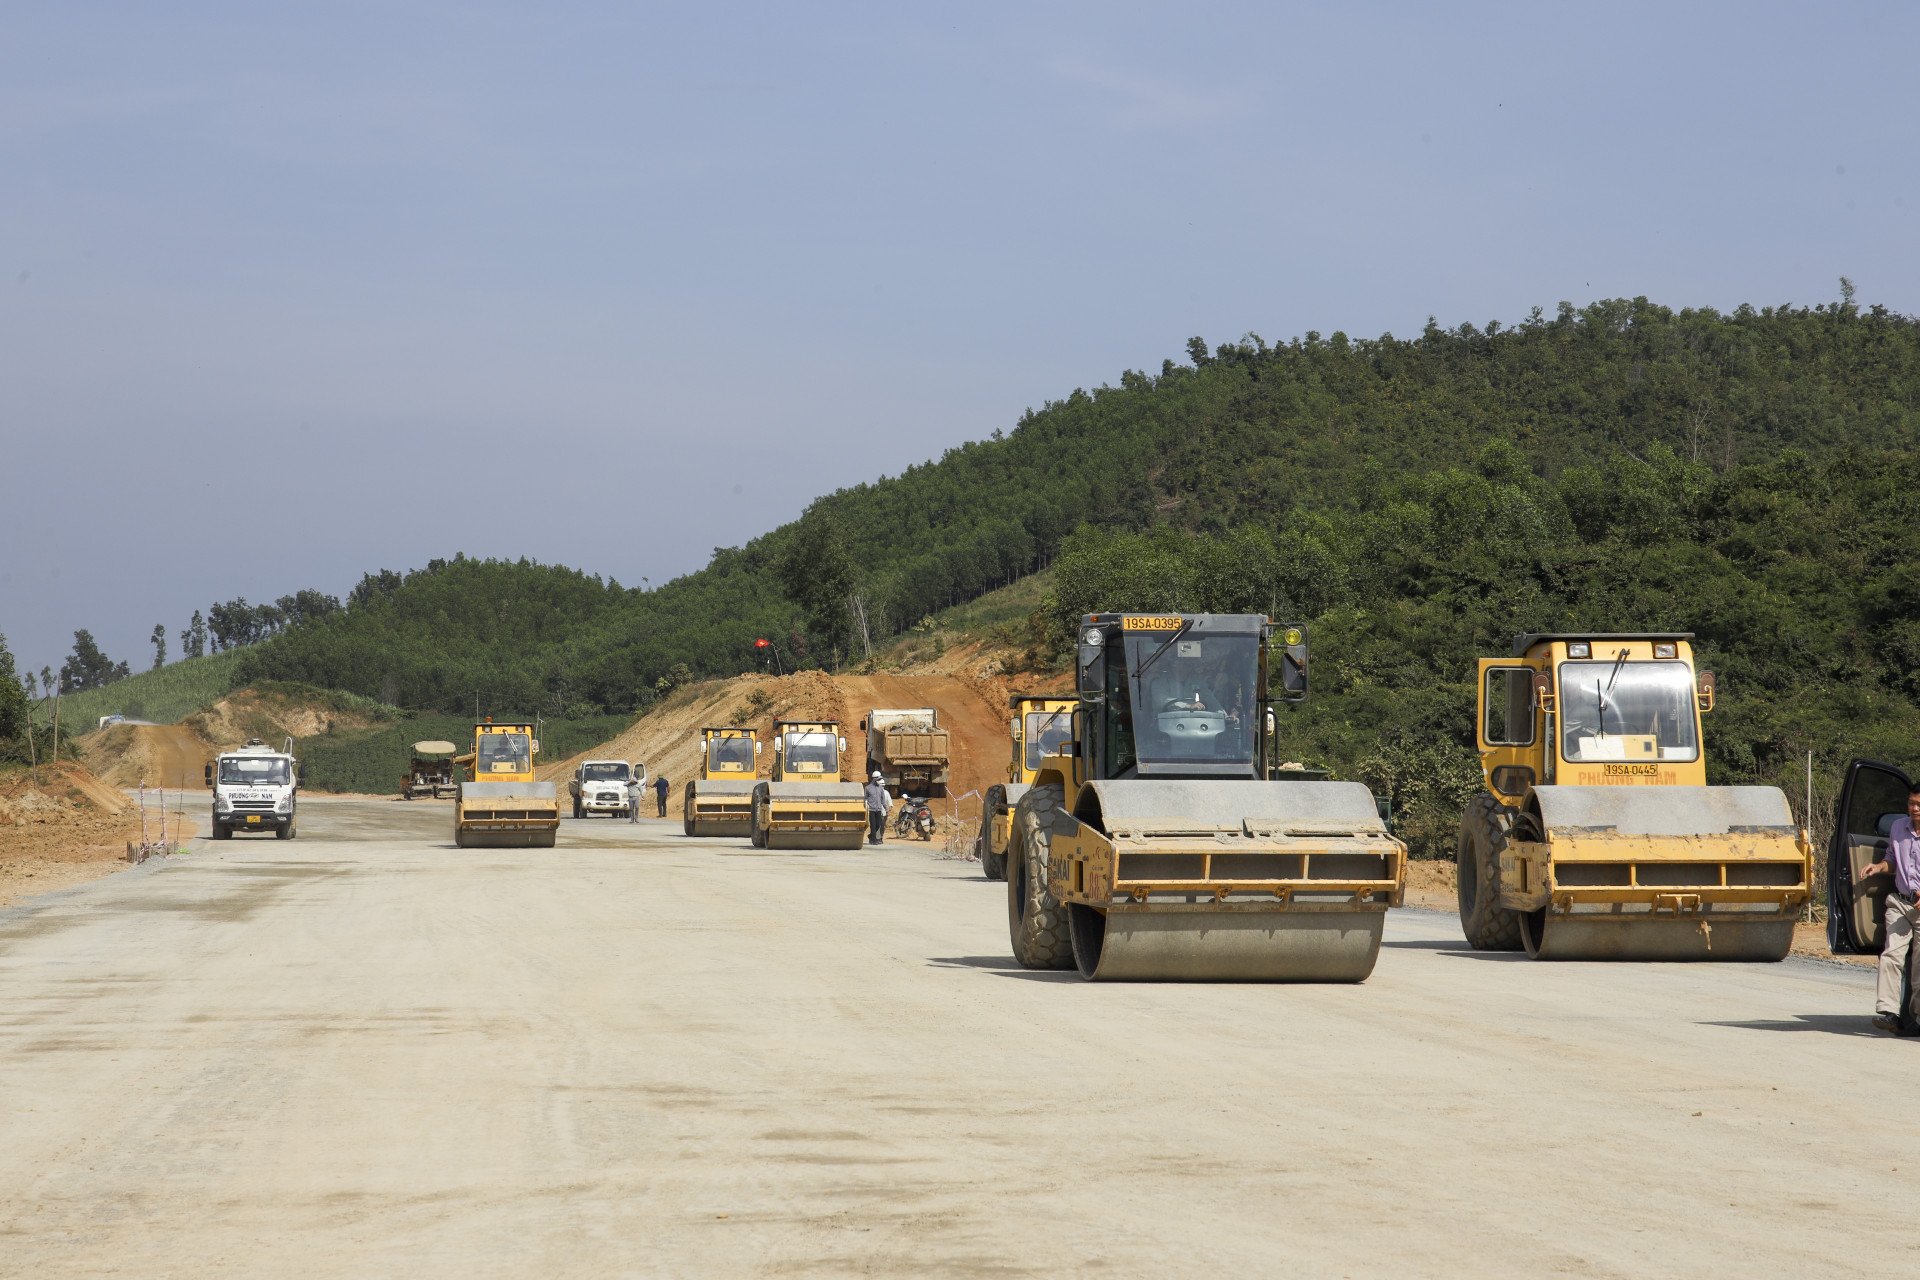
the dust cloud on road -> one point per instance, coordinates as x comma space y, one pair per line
365, 1052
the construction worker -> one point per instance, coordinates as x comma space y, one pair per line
660, 791
879, 804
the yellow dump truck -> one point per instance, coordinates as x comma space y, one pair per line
1041, 722
1597, 837
720, 801
1152, 846
499, 805
806, 805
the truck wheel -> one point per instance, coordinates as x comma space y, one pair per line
1483, 834
1036, 920
221, 831
283, 833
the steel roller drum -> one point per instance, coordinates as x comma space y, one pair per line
722, 824
1201, 941
1162, 944
1718, 820
845, 800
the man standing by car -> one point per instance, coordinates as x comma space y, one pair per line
634, 791
1903, 859
660, 792
879, 804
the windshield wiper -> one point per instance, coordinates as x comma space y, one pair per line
1155, 656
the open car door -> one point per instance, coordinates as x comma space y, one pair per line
1875, 793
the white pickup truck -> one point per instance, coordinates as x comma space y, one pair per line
600, 786
254, 789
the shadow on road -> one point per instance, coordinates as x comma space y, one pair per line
1459, 950
1004, 966
1833, 1024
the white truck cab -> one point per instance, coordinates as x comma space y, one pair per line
600, 786
254, 789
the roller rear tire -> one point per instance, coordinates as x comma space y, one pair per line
1036, 920
1483, 834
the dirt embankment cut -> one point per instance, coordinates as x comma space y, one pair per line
175, 755
968, 693
60, 825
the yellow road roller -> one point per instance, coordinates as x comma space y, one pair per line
1597, 837
1151, 844
1041, 722
806, 805
499, 805
720, 801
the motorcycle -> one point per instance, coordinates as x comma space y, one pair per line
915, 818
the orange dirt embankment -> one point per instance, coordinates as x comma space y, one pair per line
175, 755
60, 825
965, 686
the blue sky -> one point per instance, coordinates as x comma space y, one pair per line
287, 291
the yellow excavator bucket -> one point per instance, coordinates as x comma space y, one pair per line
502, 806
720, 801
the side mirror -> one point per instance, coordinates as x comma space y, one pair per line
1293, 663
209, 775
1016, 726
863, 726
1705, 691
756, 746
1273, 725
300, 776
843, 744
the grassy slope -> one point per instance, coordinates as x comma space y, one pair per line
173, 692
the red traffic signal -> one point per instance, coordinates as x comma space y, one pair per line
762, 643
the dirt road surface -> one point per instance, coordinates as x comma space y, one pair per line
367, 1053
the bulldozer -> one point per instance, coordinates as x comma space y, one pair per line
1151, 844
806, 805
720, 801
499, 805
1041, 722
1597, 837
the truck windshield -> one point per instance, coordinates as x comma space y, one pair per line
1627, 711
505, 753
733, 755
1191, 699
813, 752
1045, 731
254, 771
615, 772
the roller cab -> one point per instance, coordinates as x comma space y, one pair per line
1040, 723
1598, 837
806, 805
1150, 844
720, 801
499, 804
1872, 799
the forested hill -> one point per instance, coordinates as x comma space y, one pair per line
1612, 424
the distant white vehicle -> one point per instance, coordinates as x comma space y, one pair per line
115, 718
600, 786
254, 789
